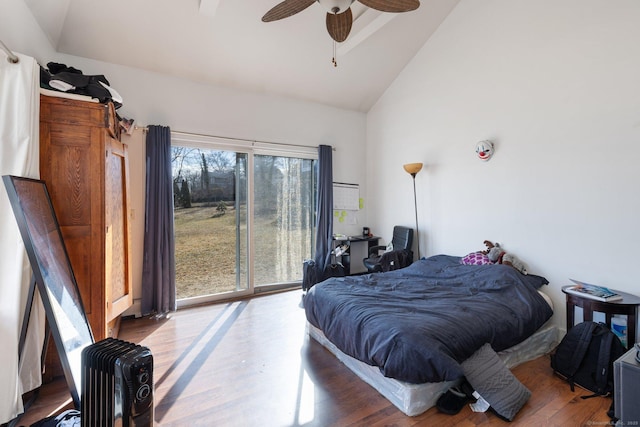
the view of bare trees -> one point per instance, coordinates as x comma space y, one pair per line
202, 176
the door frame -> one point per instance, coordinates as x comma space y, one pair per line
209, 143
250, 148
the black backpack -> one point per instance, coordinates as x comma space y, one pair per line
585, 357
311, 275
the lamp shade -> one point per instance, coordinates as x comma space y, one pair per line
413, 168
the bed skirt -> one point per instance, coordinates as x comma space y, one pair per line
414, 399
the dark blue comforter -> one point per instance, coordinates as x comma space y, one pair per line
418, 323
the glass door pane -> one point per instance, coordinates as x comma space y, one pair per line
284, 222
210, 219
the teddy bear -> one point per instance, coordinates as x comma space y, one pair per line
493, 252
497, 255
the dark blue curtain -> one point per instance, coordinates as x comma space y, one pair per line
158, 269
324, 225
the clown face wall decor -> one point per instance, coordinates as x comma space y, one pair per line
484, 149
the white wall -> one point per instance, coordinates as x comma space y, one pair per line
21, 33
555, 85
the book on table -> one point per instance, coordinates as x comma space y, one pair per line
596, 292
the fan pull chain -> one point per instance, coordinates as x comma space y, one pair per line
333, 60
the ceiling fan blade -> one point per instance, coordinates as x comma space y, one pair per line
392, 5
339, 26
286, 9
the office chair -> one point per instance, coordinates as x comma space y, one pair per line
401, 255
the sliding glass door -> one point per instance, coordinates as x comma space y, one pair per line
244, 220
284, 221
210, 219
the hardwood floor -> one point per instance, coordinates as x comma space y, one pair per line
250, 363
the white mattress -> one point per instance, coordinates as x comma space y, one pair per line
414, 399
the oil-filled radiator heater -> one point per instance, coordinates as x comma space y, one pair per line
117, 385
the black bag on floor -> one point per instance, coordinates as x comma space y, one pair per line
68, 418
585, 357
334, 270
309, 274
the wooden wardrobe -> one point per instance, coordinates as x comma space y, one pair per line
86, 171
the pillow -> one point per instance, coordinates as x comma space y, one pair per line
536, 281
475, 258
490, 377
389, 247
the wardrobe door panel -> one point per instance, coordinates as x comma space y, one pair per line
68, 164
117, 244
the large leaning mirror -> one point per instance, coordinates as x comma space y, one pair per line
52, 273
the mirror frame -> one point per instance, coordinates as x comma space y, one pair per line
53, 274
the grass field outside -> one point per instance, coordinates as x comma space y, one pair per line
205, 252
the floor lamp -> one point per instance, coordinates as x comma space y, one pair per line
413, 169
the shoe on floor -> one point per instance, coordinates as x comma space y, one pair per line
452, 401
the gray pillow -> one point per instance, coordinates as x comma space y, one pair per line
490, 377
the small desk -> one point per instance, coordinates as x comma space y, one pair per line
345, 258
628, 306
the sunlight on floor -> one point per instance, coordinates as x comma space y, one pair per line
60, 408
306, 399
187, 366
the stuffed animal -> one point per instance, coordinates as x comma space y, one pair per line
494, 252
497, 255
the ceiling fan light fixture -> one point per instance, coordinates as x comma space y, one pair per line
339, 19
336, 6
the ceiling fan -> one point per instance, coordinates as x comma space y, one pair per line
339, 17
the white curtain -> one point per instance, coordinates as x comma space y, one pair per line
19, 149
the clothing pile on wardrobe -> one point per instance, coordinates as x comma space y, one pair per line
69, 82
62, 78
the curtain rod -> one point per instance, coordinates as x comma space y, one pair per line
11, 57
144, 128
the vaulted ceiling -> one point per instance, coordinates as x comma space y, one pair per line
224, 42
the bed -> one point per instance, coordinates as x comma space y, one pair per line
407, 331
